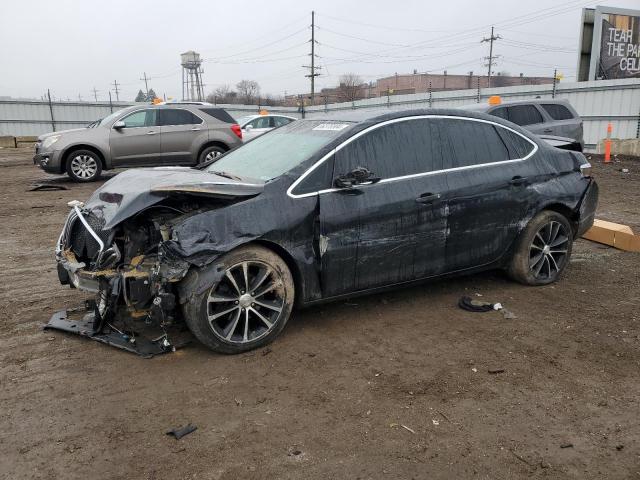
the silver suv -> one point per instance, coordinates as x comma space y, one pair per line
139, 136
553, 120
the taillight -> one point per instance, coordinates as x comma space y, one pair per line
237, 130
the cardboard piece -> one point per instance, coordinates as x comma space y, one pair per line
614, 234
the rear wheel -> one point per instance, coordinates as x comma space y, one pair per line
211, 153
245, 305
543, 249
83, 166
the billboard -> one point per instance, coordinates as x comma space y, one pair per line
609, 44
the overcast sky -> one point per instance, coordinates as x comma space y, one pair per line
73, 46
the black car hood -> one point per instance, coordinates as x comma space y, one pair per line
134, 190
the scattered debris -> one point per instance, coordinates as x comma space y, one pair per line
266, 351
435, 422
474, 370
466, 303
238, 402
619, 447
444, 416
495, 370
521, 458
624, 170
39, 187
566, 445
408, 429
294, 452
180, 432
42, 206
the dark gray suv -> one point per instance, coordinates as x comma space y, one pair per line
555, 121
139, 136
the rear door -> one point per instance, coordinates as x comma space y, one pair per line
488, 190
564, 122
393, 230
180, 131
138, 143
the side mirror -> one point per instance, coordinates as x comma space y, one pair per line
357, 176
248, 127
119, 124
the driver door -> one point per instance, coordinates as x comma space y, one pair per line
138, 142
392, 230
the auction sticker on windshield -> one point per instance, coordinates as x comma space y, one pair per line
331, 126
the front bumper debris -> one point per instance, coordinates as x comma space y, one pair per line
143, 340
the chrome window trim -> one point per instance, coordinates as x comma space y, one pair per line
415, 175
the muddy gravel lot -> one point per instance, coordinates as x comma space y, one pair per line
395, 385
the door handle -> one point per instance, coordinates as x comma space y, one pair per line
548, 130
195, 129
427, 198
151, 133
518, 180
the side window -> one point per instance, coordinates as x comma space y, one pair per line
319, 179
279, 121
518, 146
470, 143
401, 148
178, 116
557, 111
141, 118
500, 112
524, 115
261, 122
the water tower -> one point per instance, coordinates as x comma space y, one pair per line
192, 86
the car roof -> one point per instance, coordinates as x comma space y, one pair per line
483, 107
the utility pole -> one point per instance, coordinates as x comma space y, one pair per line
146, 85
312, 73
95, 94
79, 97
490, 58
115, 86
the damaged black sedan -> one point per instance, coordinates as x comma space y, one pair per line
322, 209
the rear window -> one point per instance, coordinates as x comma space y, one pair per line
177, 116
518, 146
557, 111
219, 114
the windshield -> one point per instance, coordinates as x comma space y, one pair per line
112, 116
280, 150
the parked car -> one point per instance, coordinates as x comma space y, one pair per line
323, 209
150, 135
255, 125
555, 121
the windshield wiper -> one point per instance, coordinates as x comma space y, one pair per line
226, 175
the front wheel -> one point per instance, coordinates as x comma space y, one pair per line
543, 250
245, 303
83, 166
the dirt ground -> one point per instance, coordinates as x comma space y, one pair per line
386, 386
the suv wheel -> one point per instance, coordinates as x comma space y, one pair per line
543, 249
239, 302
211, 153
83, 166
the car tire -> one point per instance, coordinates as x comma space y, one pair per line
543, 249
83, 166
210, 153
226, 316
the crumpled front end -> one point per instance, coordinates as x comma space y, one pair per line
126, 268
